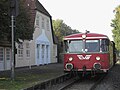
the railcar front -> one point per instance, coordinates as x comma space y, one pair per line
87, 52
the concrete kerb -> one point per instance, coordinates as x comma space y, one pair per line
50, 82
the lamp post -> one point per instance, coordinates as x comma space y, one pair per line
12, 59
13, 14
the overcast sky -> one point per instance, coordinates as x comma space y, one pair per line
92, 15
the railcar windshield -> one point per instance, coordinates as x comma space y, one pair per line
80, 46
74, 46
92, 45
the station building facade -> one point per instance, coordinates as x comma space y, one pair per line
42, 49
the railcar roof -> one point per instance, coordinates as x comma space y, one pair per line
88, 36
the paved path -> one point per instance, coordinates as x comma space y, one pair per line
54, 68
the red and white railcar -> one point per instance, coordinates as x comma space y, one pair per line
88, 52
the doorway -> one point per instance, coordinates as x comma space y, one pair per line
43, 54
5, 58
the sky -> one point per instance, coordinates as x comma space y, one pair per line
92, 15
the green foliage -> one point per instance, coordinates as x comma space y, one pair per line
116, 27
57, 27
4, 19
24, 29
61, 29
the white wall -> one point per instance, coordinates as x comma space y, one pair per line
37, 32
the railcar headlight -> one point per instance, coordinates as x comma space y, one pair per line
70, 58
97, 58
69, 66
83, 36
97, 66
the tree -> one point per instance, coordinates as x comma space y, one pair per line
4, 20
24, 29
57, 26
61, 29
116, 27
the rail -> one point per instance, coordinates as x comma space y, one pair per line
49, 83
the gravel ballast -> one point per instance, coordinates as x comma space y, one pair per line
112, 80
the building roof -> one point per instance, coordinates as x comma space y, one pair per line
34, 5
40, 8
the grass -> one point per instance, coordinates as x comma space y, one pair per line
24, 79
21, 82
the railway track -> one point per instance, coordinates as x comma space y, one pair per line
54, 83
66, 82
60, 86
84, 83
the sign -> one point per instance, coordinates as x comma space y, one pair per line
86, 57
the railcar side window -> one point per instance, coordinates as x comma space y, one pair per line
104, 45
66, 45
92, 46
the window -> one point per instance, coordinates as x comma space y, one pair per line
8, 54
92, 46
20, 50
37, 21
74, 46
20, 53
43, 22
104, 45
79, 46
28, 53
27, 49
47, 25
1, 54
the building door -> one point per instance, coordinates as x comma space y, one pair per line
47, 54
43, 54
5, 58
1, 58
38, 54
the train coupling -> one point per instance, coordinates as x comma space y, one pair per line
84, 70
